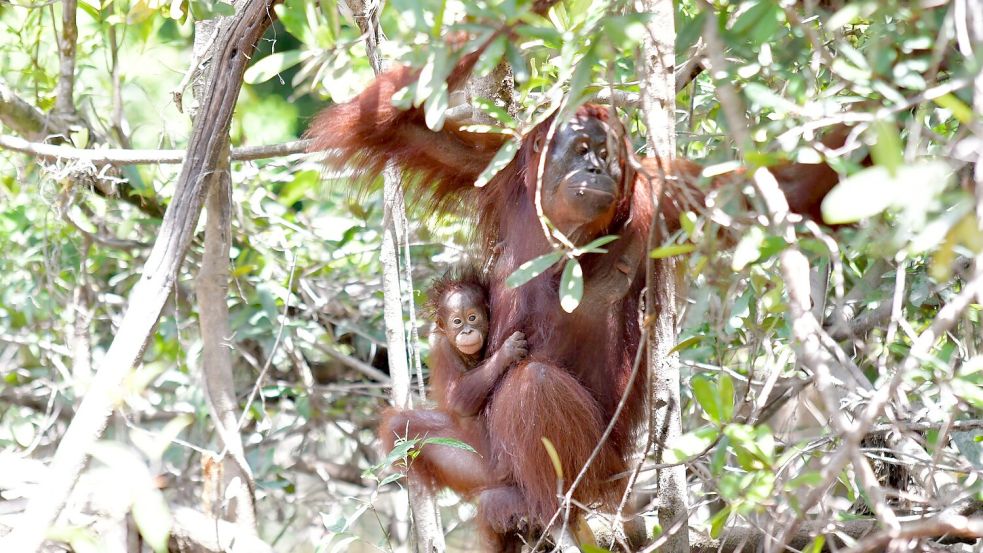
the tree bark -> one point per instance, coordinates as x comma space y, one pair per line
236, 486
656, 62
149, 295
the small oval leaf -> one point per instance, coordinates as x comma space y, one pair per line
272, 65
502, 158
532, 268
671, 250
554, 457
571, 286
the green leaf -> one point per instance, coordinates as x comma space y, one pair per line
434, 75
435, 108
816, 546
671, 250
492, 55
205, 9
152, 517
532, 268
887, 150
393, 477
707, 395
758, 22
718, 521
873, 190
726, 395
690, 444
765, 97
520, 68
748, 249
400, 450
844, 15
958, 108
689, 31
272, 65
496, 112
687, 343
579, 81
554, 457
502, 158
968, 391
687, 220
571, 286
449, 442
594, 246
626, 31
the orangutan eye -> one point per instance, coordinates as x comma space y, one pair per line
472, 318
603, 154
456, 321
582, 148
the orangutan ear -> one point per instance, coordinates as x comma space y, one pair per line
537, 144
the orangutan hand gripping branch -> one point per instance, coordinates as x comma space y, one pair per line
579, 363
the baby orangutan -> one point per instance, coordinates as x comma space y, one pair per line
462, 376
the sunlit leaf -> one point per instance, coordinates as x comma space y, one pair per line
690, 444
687, 343
532, 268
152, 517
502, 158
671, 250
272, 65
873, 190
958, 108
554, 457
496, 112
748, 249
435, 108
706, 394
594, 246
449, 442
491, 57
887, 150
571, 286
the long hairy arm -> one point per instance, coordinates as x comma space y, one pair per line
367, 132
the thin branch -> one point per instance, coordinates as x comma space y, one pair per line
141, 157
65, 91
946, 524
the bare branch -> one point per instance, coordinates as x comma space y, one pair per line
141, 157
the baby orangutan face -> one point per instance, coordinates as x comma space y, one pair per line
464, 319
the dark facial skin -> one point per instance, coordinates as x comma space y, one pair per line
463, 319
582, 178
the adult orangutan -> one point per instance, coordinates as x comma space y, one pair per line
579, 363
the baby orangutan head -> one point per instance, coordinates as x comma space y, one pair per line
459, 304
